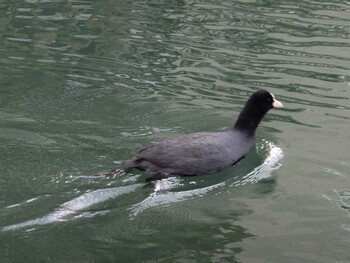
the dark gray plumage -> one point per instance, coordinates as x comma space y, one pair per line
205, 152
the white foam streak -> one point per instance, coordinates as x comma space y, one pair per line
162, 195
74, 206
263, 171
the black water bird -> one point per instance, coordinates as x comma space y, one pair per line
205, 152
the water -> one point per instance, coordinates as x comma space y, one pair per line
84, 83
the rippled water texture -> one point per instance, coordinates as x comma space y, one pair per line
84, 83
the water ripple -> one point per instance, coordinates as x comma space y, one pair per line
85, 82
165, 192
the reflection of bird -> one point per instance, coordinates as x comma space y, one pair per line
205, 152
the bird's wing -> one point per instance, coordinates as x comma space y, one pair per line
192, 147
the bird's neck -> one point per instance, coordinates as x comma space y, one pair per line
248, 120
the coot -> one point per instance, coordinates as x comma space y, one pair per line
205, 152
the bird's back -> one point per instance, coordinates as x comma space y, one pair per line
194, 153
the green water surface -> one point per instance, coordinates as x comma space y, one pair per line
85, 83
